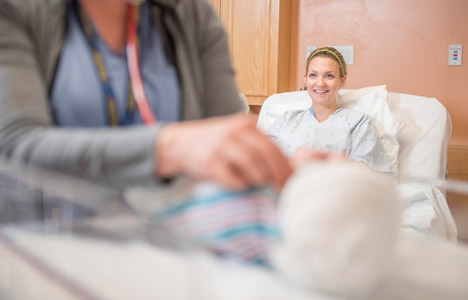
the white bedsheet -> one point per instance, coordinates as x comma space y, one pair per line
425, 211
426, 269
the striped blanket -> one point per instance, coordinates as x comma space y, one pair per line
240, 226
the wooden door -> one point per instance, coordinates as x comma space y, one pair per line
259, 39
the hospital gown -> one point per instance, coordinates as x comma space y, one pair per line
346, 130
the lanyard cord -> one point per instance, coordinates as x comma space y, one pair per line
134, 67
136, 92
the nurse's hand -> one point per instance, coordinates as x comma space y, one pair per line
229, 150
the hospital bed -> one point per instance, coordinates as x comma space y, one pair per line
62, 238
414, 131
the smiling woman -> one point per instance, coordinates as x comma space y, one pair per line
325, 75
325, 126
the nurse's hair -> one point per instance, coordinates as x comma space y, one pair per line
330, 53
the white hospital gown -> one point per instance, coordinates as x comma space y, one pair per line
346, 130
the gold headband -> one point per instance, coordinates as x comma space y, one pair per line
326, 50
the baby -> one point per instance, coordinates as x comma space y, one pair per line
332, 226
241, 226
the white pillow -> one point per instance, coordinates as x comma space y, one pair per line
278, 104
373, 101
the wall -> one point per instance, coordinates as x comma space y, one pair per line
401, 43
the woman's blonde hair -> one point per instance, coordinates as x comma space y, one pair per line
329, 52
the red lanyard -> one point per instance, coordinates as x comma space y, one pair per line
133, 61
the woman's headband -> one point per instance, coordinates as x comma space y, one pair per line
326, 50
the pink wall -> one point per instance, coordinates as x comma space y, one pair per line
401, 43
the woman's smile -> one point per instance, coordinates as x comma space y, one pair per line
321, 91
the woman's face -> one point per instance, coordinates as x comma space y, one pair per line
323, 81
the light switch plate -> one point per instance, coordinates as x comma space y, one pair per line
455, 55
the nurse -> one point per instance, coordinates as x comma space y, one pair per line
79, 78
325, 126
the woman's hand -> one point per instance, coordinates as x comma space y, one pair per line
306, 155
229, 150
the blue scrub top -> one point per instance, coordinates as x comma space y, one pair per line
77, 95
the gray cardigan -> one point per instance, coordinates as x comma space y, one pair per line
31, 38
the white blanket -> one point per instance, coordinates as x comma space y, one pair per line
64, 267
